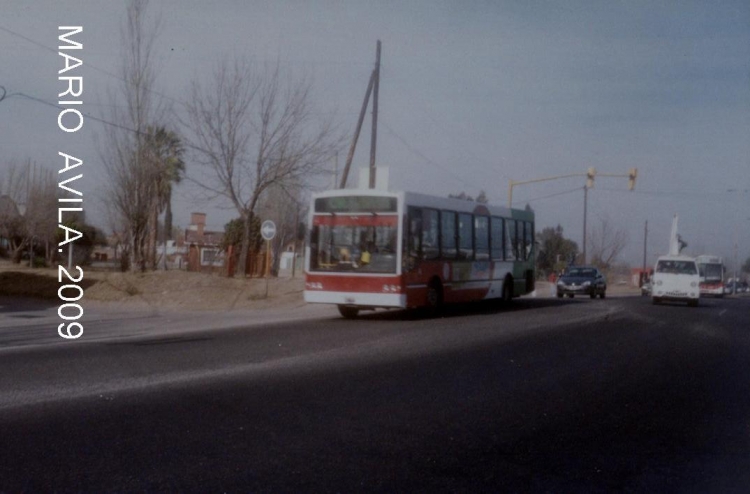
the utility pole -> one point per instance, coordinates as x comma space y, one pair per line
374, 78
645, 242
336, 170
590, 175
585, 212
374, 138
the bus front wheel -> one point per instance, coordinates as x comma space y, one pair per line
348, 312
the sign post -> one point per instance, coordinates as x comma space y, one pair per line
268, 231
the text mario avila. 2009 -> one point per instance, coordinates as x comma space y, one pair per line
70, 119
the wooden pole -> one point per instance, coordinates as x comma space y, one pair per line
374, 137
353, 146
645, 243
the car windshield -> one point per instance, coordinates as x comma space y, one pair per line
676, 267
581, 272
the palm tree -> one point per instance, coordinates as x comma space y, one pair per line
164, 151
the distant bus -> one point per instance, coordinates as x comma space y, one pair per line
711, 270
370, 249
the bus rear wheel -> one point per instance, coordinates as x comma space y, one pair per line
348, 312
434, 297
507, 296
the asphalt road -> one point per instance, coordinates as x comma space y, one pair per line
548, 396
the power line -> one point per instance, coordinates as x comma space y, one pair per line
577, 189
465, 149
661, 192
92, 117
87, 115
98, 69
425, 158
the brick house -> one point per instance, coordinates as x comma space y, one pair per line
204, 246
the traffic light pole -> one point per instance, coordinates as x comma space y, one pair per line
590, 174
585, 214
514, 183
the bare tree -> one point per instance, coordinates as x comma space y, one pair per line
28, 216
253, 131
283, 205
607, 242
134, 182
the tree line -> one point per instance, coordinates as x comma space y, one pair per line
250, 137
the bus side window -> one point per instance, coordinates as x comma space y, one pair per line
415, 232
465, 236
529, 238
482, 237
496, 238
430, 234
448, 234
511, 247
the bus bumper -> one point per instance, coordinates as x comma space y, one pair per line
358, 299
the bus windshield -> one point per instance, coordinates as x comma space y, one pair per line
711, 272
365, 244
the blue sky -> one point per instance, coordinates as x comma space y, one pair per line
472, 94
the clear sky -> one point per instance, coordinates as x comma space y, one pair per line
472, 94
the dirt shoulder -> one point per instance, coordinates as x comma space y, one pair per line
162, 289
181, 290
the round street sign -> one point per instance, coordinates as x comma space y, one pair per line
268, 230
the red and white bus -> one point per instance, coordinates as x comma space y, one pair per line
711, 270
370, 249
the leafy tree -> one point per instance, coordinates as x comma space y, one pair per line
746, 266
91, 236
234, 230
555, 251
163, 151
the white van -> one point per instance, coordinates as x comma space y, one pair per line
675, 278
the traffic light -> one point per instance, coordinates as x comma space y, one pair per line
632, 173
590, 177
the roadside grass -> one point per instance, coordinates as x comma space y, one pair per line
168, 289
29, 284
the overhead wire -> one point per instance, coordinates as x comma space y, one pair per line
87, 64
557, 194
426, 159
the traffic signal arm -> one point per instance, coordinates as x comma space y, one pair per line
631, 178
